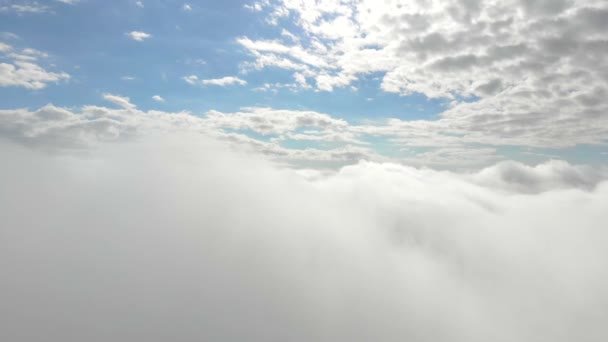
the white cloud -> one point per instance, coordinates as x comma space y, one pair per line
187, 7
139, 4
69, 2
163, 231
332, 142
158, 98
224, 81
138, 35
127, 78
121, 101
269, 121
24, 8
23, 70
254, 7
5, 47
192, 79
28, 75
538, 68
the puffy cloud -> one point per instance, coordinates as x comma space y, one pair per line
554, 174
269, 121
138, 35
61, 130
158, 98
278, 134
23, 69
121, 101
5, 47
224, 81
179, 238
535, 70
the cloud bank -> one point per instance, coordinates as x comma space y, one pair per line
518, 72
175, 237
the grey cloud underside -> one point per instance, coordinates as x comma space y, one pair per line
537, 67
59, 130
174, 237
339, 142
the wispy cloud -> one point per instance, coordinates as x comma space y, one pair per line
25, 8
222, 82
121, 101
69, 2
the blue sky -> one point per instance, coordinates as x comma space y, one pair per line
89, 40
338, 58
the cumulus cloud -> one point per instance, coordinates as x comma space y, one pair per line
60, 129
24, 70
269, 121
176, 237
291, 136
138, 36
554, 174
224, 81
535, 71
158, 98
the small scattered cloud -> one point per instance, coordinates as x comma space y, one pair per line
138, 36
187, 7
68, 2
5, 47
23, 69
158, 98
254, 7
25, 8
9, 36
139, 4
121, 101
192, 79
195, 62
128, 78
222, 82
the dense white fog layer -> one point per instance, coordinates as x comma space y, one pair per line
178, 239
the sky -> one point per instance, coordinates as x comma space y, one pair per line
453, 85
303, 170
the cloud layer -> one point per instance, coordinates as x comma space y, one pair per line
535, 70
174, 237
